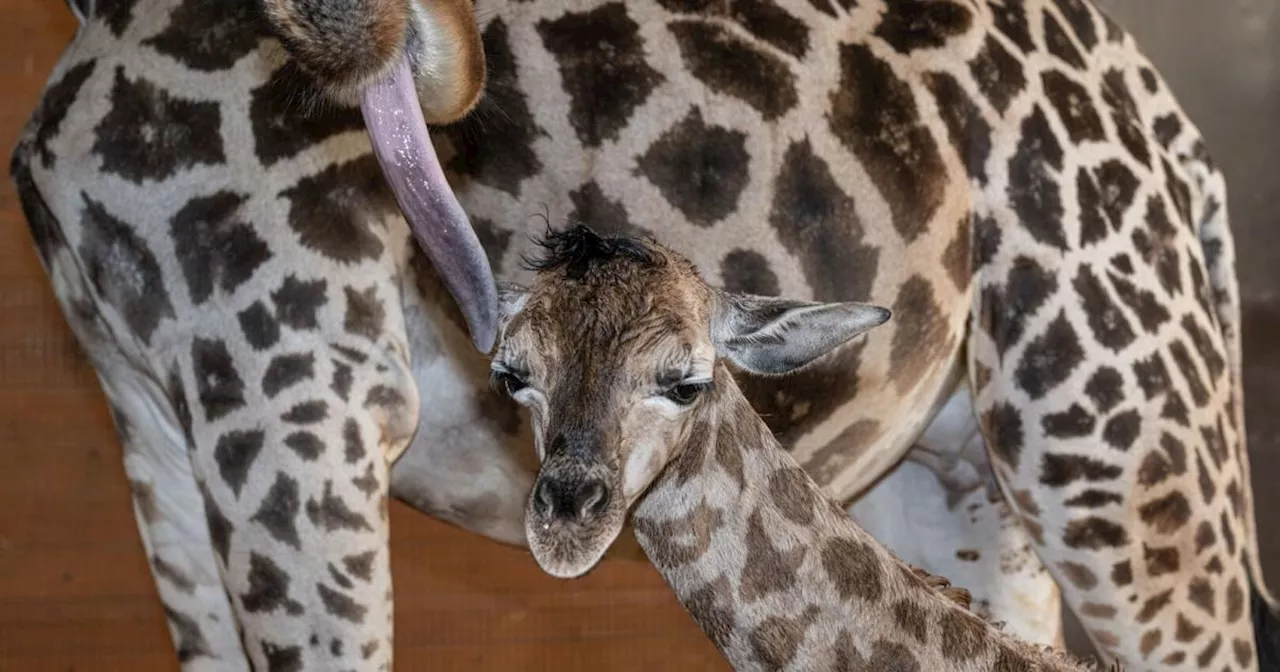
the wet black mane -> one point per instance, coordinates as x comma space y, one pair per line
580, 247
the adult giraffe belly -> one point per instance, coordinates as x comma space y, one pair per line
790, 160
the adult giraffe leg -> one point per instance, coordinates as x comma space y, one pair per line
166, 499
295, 487
939, 510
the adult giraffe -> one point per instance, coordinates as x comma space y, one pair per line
1014, 180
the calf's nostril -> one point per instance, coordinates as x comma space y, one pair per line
593, 498
542, 499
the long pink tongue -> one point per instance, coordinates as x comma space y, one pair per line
400, 141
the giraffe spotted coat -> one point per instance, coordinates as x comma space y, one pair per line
1014, 180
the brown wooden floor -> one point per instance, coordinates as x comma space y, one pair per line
74, 589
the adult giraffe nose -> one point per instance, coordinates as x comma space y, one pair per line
571, 498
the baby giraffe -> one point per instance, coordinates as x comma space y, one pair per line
621, 351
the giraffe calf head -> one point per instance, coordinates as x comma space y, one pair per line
617, 348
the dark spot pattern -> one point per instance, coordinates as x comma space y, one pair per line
235, 454
283, 126
53, 107
1010, 18
1094, 499
150, 134
963, 635
1071, 423
776, 640
287, 370
1093, 533
712, 608
927, 24
172, 574
920, 335
1093, 227
1167, 514
268, 588
1205, 347
1154, 605
1124, 112
1059, 43
298, 302
307, 413
849, 445
191, 642
1078, 574
365, 313
331, 513
1200, 593
1206, 655
998, 73
1105, 388
282, 658
1118, 186
1059, 470
771, 23
853, 569
1050, 358
1003, 429
731, 66
745, 271
818, 223
218, 386
259, 327
366, 482
911, 618
766, 569
360, 565
1152, 375
341, 605
1108, 323
1122, 573
699, 169
494, 144
874, 115
123, 270
334, 211
215, 246
353, 446
279, 511
1167, 128
969, 131
603, 92
790, 490
1160, 561
1080, 19
208, 36
220, 528
1005, 310
1033, 188
956, 258
1074, 106
986, 241
307, 445
1182, 359
342, 380
1122, 429
1151, 313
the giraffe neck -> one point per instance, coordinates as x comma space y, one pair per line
779, 577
